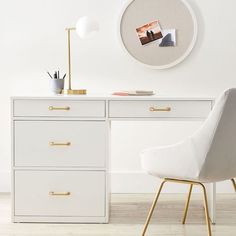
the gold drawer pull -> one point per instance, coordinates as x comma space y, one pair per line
59, 144
59, 193
153, 109
52, 108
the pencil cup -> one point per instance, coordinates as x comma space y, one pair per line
56, 85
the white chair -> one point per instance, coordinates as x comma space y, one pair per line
208, 156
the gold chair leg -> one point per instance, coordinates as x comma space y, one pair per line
206, 210
152, 208
187, 204
234, 184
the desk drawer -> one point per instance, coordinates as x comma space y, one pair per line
60, 193
152, 109
60, 143
59, 108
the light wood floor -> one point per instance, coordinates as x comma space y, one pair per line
128, 214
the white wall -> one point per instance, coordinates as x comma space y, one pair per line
33, 40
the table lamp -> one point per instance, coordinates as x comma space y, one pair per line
85, 28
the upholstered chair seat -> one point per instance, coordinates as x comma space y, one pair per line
207, 156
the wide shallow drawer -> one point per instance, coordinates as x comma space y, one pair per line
152, 109
60, 193
61, 108
60, 143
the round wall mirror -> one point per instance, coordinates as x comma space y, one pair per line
158, 33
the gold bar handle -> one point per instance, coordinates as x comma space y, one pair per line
154, 109
59, 144
52, 108
59, 193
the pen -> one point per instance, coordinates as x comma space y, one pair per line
49, 74
64, 76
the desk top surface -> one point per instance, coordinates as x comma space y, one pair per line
114, 97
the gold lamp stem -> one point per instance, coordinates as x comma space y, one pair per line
69, 63
70, 90
69, 55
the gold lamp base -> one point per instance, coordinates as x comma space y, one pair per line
75, 91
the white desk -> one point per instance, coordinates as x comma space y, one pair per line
61, 149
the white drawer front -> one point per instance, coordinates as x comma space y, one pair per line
149, 109
60, 143
59, 193
61, 108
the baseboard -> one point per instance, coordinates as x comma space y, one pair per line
140, 182
225, 187
5, 181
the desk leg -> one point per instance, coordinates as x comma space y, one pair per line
211, 194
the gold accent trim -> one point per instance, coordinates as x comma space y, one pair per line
152, 208
71, 91
59, 144
154, 109
187, 204
52, 193
70, 28
52, 108
69, 55
74, 91
234, 184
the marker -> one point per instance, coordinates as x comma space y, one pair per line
55, 75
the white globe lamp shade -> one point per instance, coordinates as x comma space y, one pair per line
86, 27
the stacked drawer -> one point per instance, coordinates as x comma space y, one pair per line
59, 160
159, 108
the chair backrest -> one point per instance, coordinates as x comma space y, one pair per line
215, 141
